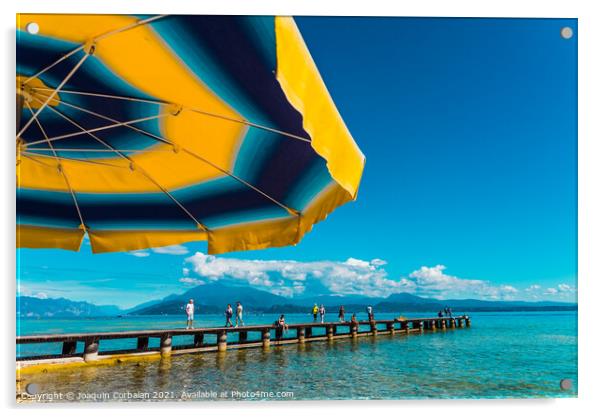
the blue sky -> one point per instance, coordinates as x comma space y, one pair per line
469, 127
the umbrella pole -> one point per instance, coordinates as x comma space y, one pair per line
20, 101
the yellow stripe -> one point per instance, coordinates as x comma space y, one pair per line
48, 237
141, 58
114, 241
305, 90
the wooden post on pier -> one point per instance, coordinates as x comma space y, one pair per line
330, 332
433, 325
69, 348
443, 324
91, 350
373, 328
452, 322
166, 345
391, 327
308, 332
242, 337
353, 330
301, 334
467, 321
405, 327
142, 343
198, 340
460, 322
265, 338
222, 341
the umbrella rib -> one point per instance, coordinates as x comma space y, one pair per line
224, 171
61, 170
88, 161
192, 109
30, 157
133, 166
96, 129
53, 93
97, 150
79, 48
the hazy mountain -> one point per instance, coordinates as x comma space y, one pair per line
61, 307
212, 298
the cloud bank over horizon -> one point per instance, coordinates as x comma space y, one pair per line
356, 277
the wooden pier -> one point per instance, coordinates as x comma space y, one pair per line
255, 336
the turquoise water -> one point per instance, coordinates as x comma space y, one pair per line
502, 355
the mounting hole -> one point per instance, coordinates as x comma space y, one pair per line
566, 384
566, 32
32, 28
32, 389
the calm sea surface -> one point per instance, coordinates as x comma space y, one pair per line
500, 355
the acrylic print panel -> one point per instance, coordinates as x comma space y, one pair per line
309, 208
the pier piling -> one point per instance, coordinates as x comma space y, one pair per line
301, 334
165, 345
90, 350
142, 343
69, 348
265, 338
222, 341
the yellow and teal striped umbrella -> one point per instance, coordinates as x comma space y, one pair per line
146, 131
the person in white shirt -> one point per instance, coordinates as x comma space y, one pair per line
239, 314
190, 314
322, 313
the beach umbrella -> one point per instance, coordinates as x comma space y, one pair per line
146, 131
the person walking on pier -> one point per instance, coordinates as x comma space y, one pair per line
314, 311
239, 314
342, 314
190, 314
370, 313
228, 314
322, 313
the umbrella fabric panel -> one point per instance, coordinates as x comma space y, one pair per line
221, 147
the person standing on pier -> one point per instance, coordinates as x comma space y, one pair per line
228, 314
342, 314
322, 313
370, 313
314, 311
189, 314
239, 314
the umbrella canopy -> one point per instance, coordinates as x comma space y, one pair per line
146, 131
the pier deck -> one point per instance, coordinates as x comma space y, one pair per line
265, 336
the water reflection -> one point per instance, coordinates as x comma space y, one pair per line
495, 359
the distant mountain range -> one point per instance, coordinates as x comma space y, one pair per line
61, 308
212, 298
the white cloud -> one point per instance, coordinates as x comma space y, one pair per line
139, 253
289, 278
163, 250
353, 277
171, 250
191, 281
563, 291
434, 282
